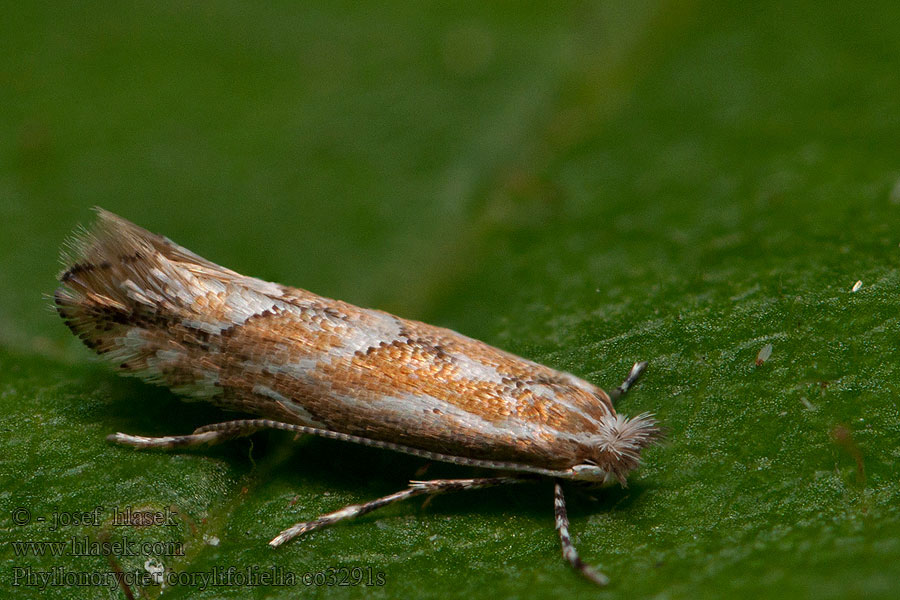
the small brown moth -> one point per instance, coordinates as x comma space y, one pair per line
317, 366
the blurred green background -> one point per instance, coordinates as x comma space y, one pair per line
585, 184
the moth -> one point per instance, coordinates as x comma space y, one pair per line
307, 364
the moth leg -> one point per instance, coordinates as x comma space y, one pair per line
208, 434
416, 488
633, 375
568, 548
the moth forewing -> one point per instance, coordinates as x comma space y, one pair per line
310, 364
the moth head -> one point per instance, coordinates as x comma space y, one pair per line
615, 449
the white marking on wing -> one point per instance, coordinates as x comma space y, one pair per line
294, 407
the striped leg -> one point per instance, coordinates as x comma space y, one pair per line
633, 375
568, 548
416, 488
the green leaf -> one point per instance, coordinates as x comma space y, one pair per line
583, 184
